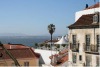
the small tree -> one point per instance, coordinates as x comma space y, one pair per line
36, 45
48, 45
58, 46
63, 45
41, 45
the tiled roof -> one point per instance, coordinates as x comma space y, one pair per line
63, 51
14, 46
84, 21
62, 57
63, 60
94, 6
19, 53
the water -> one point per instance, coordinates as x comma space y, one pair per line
26, 40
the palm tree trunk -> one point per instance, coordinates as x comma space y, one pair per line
51, 48
51, 41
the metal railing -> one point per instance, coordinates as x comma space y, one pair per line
74, 47
91, 48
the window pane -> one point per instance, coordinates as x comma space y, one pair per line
13, 64
80, 57
98, 39
88, 60
95, 18
87, 39
97, 61
74, 58
74, 39
26, 63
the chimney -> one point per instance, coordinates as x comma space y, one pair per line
10, 46
86, 6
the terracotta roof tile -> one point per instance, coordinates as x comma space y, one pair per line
84, 20
14, 46
94, 6
18, 53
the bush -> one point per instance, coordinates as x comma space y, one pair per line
63, 45
36, 45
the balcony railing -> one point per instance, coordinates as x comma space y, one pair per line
74, 47
91, 48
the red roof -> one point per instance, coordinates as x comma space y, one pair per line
14, 46
94, 6
63, 60
85, 21
20, 53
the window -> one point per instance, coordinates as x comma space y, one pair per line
13, 64
88, 60
87, 39
26, 63
74, 39
97, 61
80, 57
74, 58
96, 18
98, 39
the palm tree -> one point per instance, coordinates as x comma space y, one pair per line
51, 29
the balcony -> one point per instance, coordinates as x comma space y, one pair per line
74, 47
91, 49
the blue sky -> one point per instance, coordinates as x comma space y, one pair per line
31, 17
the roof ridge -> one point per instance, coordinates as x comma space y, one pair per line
93, 6
16, 49
34, 53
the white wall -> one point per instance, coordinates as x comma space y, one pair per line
84, 12
45, 54
80, 34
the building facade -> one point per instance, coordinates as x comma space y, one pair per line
23, 54
84, 38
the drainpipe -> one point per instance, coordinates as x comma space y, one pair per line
94, 36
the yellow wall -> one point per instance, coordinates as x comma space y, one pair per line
8, 62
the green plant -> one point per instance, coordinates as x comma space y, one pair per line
57, 45
63, 45
46, 45
36, 45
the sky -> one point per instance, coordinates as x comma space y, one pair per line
31, 17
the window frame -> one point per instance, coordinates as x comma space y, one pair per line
98, 39
74, 58
26, 63
80, 57
87, 39
74, 39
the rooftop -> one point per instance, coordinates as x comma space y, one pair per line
85, 21
14, 46
18, 51
94, 6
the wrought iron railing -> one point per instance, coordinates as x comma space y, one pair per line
74, 47
91, 48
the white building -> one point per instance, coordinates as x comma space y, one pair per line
84, 38
45, 54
